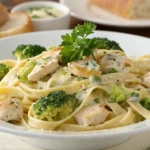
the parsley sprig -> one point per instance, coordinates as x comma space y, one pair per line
77, 44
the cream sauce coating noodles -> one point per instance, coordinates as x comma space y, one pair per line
117, 95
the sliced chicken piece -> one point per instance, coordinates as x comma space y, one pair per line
55, 53
11, 110
99, 53
43, 67
146, 79
92, 115
114, 62
85, 68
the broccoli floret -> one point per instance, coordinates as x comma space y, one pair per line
104, 43
54, 107
117, 94
28, 51
145, 102
4, 69
25, 70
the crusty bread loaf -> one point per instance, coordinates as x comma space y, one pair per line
18, 23
131, 9
3, 15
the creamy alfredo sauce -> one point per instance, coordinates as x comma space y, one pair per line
43, 12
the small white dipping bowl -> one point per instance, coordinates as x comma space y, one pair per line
41, 24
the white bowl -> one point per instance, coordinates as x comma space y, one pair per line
41, 24
92, 140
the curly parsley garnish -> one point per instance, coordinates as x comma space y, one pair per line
77, 44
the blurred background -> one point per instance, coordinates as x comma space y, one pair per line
11, 3
74, 21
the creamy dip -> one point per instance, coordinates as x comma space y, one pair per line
43, 12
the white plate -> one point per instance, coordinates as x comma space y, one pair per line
82, 10
93, 140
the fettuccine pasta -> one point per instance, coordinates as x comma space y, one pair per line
103, 90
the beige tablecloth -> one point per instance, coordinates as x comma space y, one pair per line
138, 142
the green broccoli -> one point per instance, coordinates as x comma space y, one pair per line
28, 51
145, 102
25, 70
4, 69
54, 107
117, 94
104, 43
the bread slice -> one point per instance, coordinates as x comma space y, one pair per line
18, 23
3, 15
131, 9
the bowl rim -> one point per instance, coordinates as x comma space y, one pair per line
66, 13
119, 131
43, 134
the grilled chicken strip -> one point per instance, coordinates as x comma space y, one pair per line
92, 115
11, 109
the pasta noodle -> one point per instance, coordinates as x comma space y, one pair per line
118, 97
